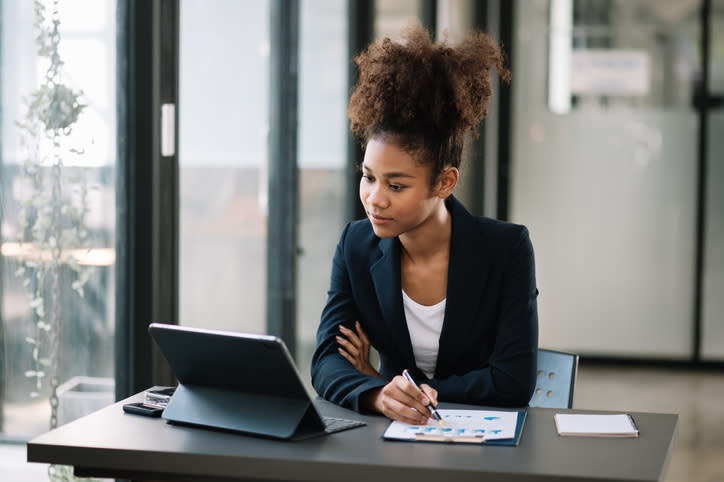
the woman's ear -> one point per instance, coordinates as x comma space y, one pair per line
447, 181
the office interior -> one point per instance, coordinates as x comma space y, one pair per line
202, 171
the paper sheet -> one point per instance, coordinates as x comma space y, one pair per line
491, 425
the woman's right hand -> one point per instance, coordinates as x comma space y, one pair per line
400, 400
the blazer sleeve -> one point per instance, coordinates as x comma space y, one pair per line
509, 377
333, 377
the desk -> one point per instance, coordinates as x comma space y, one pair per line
110, 443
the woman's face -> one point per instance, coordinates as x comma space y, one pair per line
395, 190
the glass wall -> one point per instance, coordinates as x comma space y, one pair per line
223, 110
57, 216
713, 301
604, 170
223, 127
321, 158
223, 119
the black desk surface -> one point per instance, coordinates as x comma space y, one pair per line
110, 443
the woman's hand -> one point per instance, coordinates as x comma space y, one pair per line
355, 347
402, 401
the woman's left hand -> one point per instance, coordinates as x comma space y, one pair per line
355, 347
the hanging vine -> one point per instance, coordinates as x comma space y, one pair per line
53, 204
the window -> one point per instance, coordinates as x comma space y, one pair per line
223, 119
57, 213
223, 109
604, 171
322, 160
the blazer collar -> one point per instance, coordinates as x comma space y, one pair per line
464, 286
385, 274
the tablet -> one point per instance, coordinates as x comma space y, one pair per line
240, 382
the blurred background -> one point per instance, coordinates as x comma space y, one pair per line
209, 173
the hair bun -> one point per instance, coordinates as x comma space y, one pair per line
418, 87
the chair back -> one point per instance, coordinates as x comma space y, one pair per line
556, 379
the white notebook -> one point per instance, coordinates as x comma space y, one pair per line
591, 425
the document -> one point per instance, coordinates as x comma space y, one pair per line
465, 426
592, 425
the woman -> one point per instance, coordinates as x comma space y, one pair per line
433, 289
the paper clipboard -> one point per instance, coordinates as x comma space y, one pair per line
514, 440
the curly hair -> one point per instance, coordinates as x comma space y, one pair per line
425, 96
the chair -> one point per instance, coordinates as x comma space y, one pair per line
556, 379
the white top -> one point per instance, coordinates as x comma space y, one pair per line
424, 324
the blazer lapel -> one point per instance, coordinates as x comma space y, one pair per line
385, 274
464, 287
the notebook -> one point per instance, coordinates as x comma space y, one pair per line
239, 382
593, 425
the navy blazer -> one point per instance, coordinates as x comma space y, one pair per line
489, 339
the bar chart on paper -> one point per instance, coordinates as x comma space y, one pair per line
460, 426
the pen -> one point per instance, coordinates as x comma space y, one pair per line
434, 413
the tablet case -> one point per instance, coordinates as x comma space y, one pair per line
236, 381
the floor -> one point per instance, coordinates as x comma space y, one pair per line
697, 396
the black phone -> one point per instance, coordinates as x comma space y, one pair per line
139, 408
